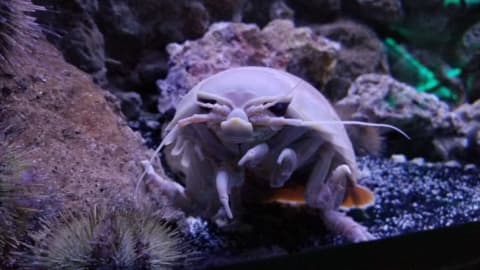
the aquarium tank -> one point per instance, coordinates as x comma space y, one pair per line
239, 134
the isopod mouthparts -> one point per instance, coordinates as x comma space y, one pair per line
237, 126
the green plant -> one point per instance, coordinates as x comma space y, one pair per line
427, 80
468, 3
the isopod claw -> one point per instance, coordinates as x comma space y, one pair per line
171, 189
346, 226
254, 155
287, 163
223, 190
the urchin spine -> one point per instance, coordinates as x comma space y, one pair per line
17, 27
107, 239
15, 211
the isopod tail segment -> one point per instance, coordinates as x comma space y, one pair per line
356, 195
171, 189
147, 164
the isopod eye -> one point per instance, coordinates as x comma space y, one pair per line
204, 104
206, 100
279, 109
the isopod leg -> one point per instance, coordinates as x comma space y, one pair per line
172, 190
287, 163
330, 197
223, 189
338, 222
254, 156
292, 157
316, 181
226, 180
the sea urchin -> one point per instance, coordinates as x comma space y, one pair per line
15, 212
105, 239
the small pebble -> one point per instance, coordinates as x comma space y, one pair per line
399, 158
418, 161
151, 124
470, 167
452, 164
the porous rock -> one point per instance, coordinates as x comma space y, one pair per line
76, 148
262, 12
279, 45
468, 57
425, 22
131, 104
124, 35
463, 143
382, 99
466, 147
280, 10
316, 10
85, 46
226, 10
383, 11
467, 47
435, 130
361, 52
